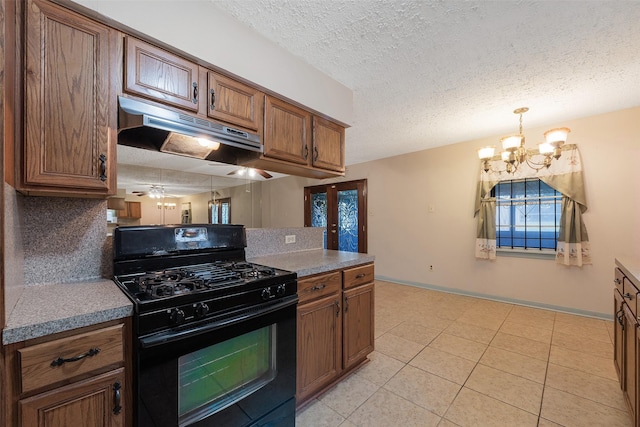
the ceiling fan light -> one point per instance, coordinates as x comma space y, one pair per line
511, 142
557, 136
485, 153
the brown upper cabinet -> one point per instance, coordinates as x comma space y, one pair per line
234, 102
70, 118
157, 74
287, 132
328, 145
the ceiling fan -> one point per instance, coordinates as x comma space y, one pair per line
250, 172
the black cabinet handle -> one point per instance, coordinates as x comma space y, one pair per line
346, 304
628, 296
619, 316
616, 281
337, 308
213, 99
117, 398
61, 361
360, 276
103, 167
315, 154
318, 287
306, 151
195, 92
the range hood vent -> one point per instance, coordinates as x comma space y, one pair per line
150, 127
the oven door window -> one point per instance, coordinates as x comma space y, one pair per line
215, 377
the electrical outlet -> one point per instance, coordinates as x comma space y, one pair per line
291, 238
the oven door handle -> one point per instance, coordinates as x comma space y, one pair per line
174, 335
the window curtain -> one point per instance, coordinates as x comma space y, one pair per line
564, 175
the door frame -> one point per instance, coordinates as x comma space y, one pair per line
332, 197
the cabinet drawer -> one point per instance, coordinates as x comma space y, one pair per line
318, 286
358, 276
37, 364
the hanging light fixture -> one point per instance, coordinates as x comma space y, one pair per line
515, 153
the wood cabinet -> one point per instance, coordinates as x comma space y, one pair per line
626, 340
335, 327
74, 378
299, 143
233, 102
319, 345
358, 324
287, 133
162, 76
69, 115
132, 210
96, 402
328, 145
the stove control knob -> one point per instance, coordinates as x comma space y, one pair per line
266, 294
176, 316
201, 309
281, 290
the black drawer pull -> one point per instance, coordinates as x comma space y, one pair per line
195, 93
628, 296
60, 361
103, 167
117, 398
616, 281
213, 99
318, 287
360, 276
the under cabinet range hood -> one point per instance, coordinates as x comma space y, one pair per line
150, 127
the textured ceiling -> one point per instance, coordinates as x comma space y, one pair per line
430, 73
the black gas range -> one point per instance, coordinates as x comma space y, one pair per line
197, 298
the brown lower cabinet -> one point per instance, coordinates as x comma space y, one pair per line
73, 378
627, 340
335, 327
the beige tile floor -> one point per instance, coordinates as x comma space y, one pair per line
448, 360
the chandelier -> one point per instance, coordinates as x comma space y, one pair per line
515, 154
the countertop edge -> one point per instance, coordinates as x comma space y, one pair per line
310, 262
630, 268
67, 314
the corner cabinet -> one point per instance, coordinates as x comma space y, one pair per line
626, 340
70, 118
74, 378
335, 328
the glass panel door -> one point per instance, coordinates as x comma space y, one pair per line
341, 210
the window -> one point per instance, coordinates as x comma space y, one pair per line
527, 214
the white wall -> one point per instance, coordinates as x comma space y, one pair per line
406, 238
200, 29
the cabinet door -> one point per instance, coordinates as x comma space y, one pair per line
287, 132
69, 126
319, 338
618, 335
160, 75
629, 370
328, 145
234, 102
96, 402
358, 324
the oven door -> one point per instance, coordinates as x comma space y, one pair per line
236, 372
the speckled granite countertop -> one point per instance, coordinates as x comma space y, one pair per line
630, 267
315, 261
48, 309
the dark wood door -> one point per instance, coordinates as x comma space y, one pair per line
162, 76
70, 119
358, 321
287, 132
319, 344
96, 402
342, 209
